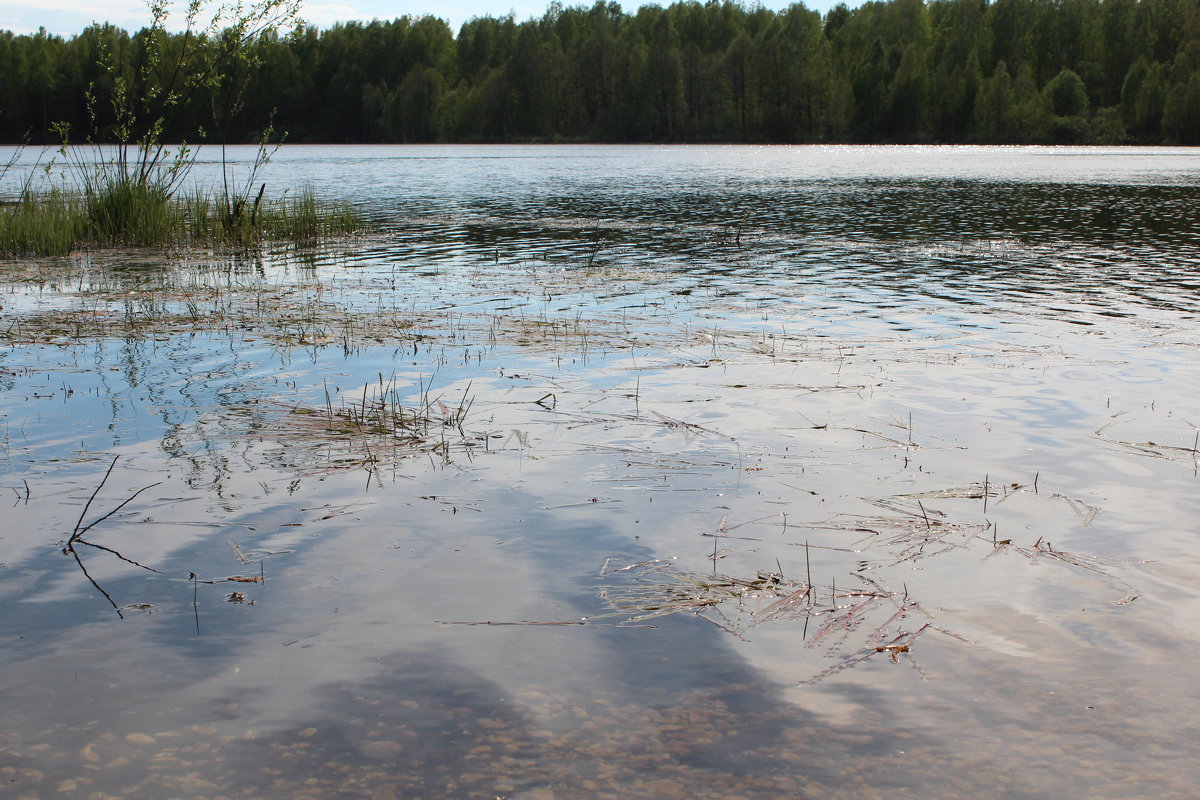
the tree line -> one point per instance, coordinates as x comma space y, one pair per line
948, 71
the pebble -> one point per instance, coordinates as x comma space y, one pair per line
192, 782
381, 749
665, 789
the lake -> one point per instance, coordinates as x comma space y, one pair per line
618, 472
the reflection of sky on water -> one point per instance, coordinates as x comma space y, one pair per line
647, 364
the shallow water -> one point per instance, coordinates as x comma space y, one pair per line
763, 389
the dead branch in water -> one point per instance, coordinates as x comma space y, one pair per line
80, 529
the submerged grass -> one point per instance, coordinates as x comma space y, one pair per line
366, 430
736, 605
56, 223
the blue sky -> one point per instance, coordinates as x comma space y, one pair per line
66, 17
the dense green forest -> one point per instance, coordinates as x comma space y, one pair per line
1054, 71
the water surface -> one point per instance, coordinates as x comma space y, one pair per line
903, 439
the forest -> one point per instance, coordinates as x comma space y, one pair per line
902, 71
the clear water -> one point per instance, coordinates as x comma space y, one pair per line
749, 370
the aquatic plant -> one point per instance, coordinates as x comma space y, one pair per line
653, 589
357, 431
127, 193
57, 222
51, 225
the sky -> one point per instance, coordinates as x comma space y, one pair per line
67, 17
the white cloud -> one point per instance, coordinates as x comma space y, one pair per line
67, 17
323, 15
98, 9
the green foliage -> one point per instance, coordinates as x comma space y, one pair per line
1181, 114
893, 71
142, 90
1142, 98
1066, 94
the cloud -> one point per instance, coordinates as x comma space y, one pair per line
69, 17
95, 9
116, 11
324, 15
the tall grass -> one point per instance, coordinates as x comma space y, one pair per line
52, 224
131, 212
126, 213
129, 195
299, 218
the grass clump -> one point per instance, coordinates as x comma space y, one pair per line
51, 224
129, 194
299, 218
131, 212
367, 431
127, 213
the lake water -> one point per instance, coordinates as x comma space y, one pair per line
619, 472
